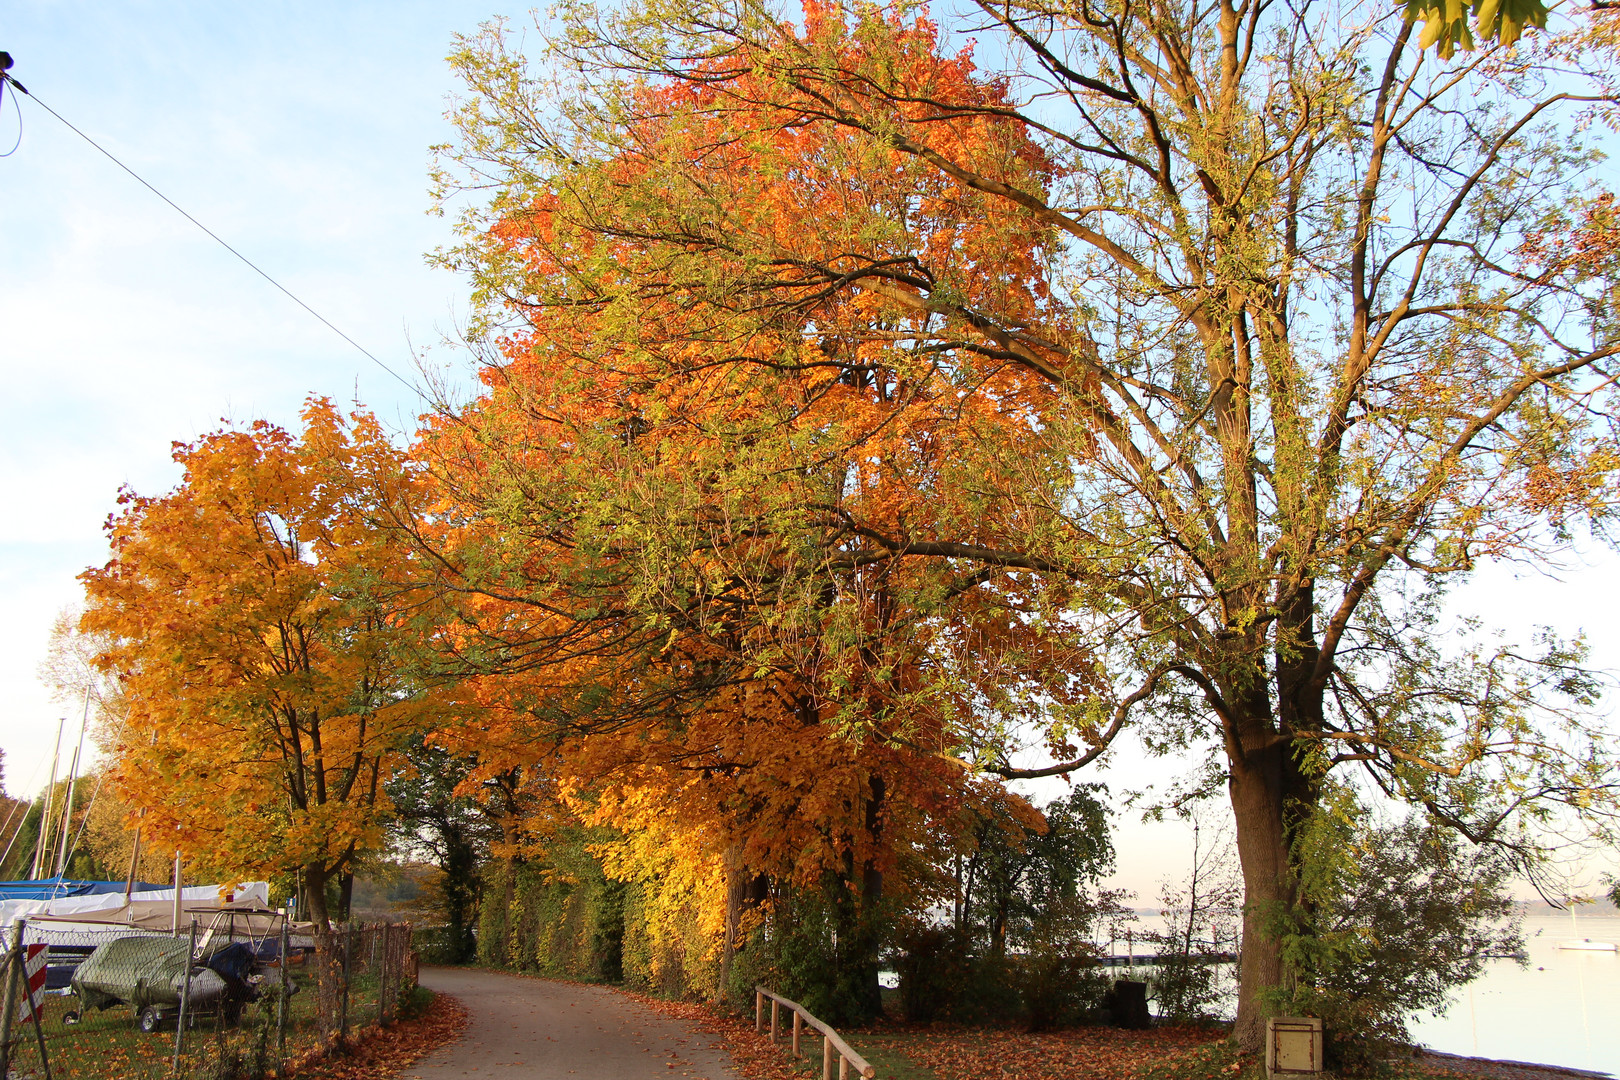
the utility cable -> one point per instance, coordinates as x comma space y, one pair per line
249, 262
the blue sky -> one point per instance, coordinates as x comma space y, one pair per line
299, 132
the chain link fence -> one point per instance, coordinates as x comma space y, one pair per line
219, 1002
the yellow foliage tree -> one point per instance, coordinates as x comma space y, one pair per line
244, 614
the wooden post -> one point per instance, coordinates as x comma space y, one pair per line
850, 1062
286, 986
8, 994
343, 1002
374, 969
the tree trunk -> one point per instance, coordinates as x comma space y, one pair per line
870, 990
1268, 793
315, 879
736, 890
461, 888
326, 976
501, 947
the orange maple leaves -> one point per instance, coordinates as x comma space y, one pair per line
690, 521
261, 667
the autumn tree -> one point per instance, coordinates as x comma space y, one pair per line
12, 811
651, 594
1204, 345
259, 661
1018, 879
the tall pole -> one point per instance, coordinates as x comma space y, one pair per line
134, 861
73, 780
185, 998
176, 917
135, 853
45, 817
286, 986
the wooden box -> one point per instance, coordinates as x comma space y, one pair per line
1293, 1046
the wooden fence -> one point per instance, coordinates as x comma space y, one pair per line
831, 1044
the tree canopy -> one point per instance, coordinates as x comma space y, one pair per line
1158, 380
261, 671
879, 407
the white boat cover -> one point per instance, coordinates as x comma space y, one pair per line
153, 909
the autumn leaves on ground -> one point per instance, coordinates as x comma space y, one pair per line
878, 410
943, 1053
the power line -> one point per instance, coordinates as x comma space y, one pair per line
7, 79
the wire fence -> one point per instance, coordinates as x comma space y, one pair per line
218, 1002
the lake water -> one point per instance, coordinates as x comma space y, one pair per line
1564, 1009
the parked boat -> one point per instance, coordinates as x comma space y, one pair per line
1583, 944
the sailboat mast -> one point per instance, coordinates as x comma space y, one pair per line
73, 780
45, 815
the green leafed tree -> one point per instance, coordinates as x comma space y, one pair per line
1402, 913
1196, 348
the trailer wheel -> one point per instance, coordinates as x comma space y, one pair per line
149, 1020
70, 1017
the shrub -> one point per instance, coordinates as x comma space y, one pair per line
1061, 991
1394, 916
934, 964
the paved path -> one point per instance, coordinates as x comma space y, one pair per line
537, 1029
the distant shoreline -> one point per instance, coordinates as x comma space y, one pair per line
1599, 909
1500, 1069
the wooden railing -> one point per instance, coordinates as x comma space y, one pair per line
831, 1044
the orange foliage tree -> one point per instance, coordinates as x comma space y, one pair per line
671, 526
261, 667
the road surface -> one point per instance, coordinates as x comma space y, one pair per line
536, 1029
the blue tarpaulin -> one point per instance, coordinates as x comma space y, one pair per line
57, 887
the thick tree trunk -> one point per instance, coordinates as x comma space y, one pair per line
501, 946
857, 900
315, 881
1257, 795
461, 888
871, 900
1269, 793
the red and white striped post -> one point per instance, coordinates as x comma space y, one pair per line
33, 998
23, 981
